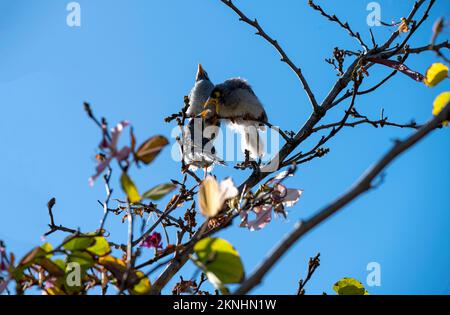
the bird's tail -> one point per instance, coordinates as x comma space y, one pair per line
250, 138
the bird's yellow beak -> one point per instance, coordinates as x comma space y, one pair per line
200, 71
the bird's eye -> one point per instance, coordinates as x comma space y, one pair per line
216, 94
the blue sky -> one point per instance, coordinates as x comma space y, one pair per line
136, 60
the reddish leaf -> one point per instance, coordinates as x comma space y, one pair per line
150, 149
400, 67
52, 268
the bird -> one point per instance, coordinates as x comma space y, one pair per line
235, 102
199, 134
199, 93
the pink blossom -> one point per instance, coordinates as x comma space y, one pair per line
263, 217
152, 241
280, 197
114, 152
50, 283
287, 197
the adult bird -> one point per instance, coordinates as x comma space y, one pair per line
235, 102
199, 134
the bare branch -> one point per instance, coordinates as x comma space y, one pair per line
104, 204
418, 50
361, 186
345, 25
305, 131
274, 43
53, 227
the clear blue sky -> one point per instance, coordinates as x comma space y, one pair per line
136, 60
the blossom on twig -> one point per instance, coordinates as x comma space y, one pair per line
113, 152
152, 241
275, 198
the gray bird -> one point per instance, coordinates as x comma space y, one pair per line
199, 93
235, 102
199, 134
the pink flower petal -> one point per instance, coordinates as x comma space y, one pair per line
115, 134
152, 241
99, 170
279, 192
292, 197
123, 153
263, 217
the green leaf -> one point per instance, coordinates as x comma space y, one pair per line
84, 259
60, 263
220, 260
17, 273
129, 188
78, 243
349, 286
158, 192
100, 247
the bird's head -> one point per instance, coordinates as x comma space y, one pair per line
201, 74
215, 100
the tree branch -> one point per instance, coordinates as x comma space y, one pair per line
361, 186
305, 131
274, 43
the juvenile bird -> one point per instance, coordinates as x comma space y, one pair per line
235, 102
199, 93
199, 134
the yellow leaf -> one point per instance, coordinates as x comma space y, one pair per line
209, 197
435, 74
48, 248
54, 291
349, 286
129, 188
439, 104
137, 282
143, 286
100, 247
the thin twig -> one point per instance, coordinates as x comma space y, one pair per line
345, 25
314, 263
104, 204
